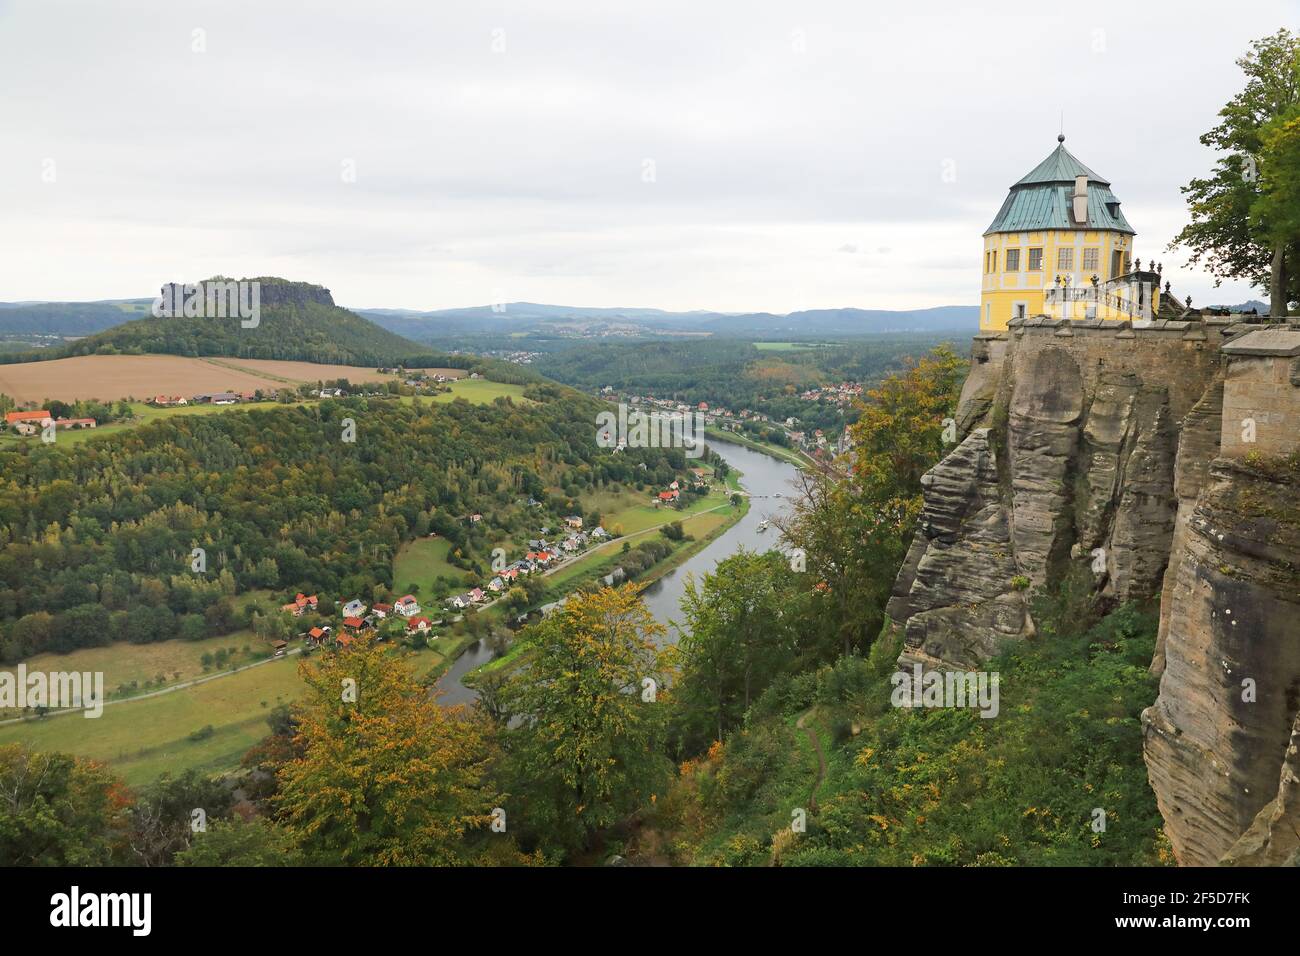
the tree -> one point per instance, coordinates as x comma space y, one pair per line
385, 776
162, 817
739, 637
853, 531
59, 810
1230, 231
588, 750
236, 843
1277, 209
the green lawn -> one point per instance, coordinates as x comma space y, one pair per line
421, 562
480, 391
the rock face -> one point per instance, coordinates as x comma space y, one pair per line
961, 603
1102, 444
1073, 460
1217, 734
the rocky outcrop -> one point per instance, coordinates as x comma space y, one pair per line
961, 601
1075, 461
1274, 837
1042, 435
1158, 455
1219, 729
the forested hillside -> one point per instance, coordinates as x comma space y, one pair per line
734, 373
298, 321
276, 498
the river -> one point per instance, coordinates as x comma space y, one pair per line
769, 483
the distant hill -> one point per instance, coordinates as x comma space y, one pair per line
298, 321
523, 316
69, 318
1261, 308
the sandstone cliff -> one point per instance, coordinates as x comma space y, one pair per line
1109, 445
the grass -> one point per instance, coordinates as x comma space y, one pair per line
177, 661
142, 739
480, 391
421, 562
631, 512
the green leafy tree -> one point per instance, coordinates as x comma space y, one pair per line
588, 750
257, 842
1232, 232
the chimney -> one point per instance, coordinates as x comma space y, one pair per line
1080, 198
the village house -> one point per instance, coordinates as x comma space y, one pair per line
407, 606
300, 604
573, 521
317, 635
75, 423
496, 584
418, 625
354, 608
382, 611
354, 623
35, 418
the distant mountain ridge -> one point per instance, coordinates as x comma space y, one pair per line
518, 316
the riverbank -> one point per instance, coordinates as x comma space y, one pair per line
788, 455
687, 550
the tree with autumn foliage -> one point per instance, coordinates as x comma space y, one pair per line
590, 706
60, 810
383, 775
854, 529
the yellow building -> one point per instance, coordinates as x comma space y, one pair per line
1060, 246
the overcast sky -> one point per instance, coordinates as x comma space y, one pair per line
710, 154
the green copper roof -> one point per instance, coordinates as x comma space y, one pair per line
1041, 199
1059, 167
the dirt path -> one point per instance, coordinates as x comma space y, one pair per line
183, 685
801, 723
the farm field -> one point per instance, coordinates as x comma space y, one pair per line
124, 664
141, 739
113, 377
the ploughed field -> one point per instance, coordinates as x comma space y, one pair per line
112, 377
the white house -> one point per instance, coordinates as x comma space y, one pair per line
354, 608
407, 606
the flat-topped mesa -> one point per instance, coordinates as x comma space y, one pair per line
271, 290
